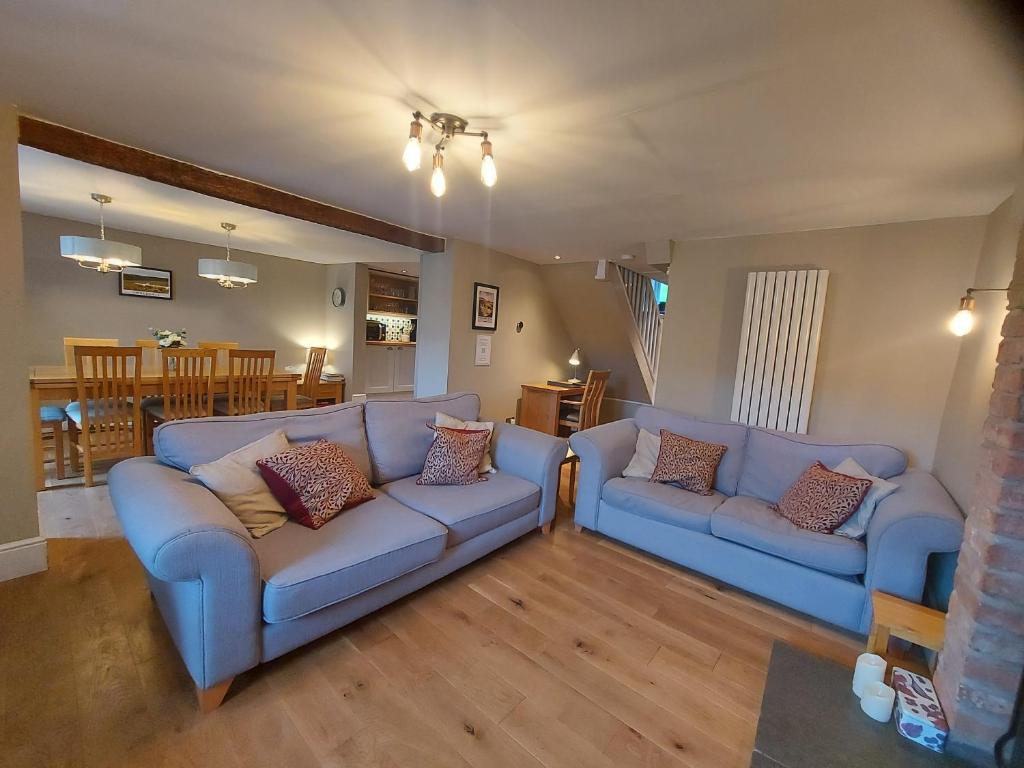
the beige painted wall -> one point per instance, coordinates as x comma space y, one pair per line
18, 518
595, 315
284, 311
537, 354
886, 357
959, 442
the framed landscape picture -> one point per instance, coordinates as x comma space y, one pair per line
485, 307
148, 283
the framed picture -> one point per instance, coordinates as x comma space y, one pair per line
485, 307
148, 283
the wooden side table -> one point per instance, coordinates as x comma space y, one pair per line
896, 617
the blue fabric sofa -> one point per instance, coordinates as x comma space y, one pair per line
733, 536
232, 602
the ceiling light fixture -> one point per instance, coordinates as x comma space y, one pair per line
228, 273
101, 255
449, 126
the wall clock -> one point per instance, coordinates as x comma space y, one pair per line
338, 297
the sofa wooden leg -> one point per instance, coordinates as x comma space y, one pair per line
577, 528
546, 528
210, 698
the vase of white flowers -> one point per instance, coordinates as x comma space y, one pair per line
169, 339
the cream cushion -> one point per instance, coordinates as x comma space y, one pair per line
648, 446
857, 526
236, 481
444, 420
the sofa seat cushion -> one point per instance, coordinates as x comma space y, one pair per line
469, 510
752, 523
305, 570
664, 503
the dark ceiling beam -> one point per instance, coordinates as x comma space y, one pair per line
67, 142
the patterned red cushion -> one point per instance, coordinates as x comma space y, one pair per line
690, 463
453, 456
314, 482
822, 500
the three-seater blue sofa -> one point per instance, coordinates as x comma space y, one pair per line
735, 537
231, 601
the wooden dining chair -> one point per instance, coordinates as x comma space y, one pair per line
579, 415
70, 342
150, 352
107, 424
584, 414
309, 387
188, 376
249, 374
222, 347
52, 418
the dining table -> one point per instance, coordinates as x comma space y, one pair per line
58, 384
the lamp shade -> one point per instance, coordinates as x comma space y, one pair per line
90, 251
575, 358
227, 271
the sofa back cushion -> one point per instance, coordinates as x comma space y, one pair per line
199, 441
775, 461
398, 433
727, 433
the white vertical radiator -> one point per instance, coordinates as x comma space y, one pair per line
779, 348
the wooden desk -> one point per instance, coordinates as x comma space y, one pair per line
541, 405
330, 392
57, 383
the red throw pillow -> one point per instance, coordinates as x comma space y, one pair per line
314, 482
822, 500
690, 463
453, 456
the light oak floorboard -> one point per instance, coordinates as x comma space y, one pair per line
560, 650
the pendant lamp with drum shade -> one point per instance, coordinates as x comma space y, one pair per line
228, 273
100, 254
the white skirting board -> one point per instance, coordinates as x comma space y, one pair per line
20, 558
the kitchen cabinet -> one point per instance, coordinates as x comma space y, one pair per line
389, 368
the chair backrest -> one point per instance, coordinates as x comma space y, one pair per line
150, 352
314, 367
109, 383
70, 342
593, 395
222, 347
188, 382
249, 372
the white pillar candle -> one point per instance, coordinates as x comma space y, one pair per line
870, 669
877, 701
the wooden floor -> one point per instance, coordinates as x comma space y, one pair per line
561, 650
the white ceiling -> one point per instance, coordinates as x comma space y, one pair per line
56, 186
613, 122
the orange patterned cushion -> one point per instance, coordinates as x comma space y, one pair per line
690, 463
314, 482
822, 500
453, 456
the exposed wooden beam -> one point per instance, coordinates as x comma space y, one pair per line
61, 140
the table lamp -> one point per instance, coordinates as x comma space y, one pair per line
574, 361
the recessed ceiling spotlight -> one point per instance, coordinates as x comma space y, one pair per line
405, 271
557, 257
627, 257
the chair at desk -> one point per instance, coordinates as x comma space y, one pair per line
578, 415
583, 414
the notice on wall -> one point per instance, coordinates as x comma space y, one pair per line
483, 350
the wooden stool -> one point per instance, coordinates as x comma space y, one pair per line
896, 617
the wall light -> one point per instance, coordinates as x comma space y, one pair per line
963, 321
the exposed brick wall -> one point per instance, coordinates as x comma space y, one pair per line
980, 667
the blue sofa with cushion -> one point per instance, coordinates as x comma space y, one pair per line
231, 601
735, 537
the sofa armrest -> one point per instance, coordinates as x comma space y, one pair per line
532, 456
909, 525
203, 569
604, 452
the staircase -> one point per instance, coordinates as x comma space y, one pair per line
645, 333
